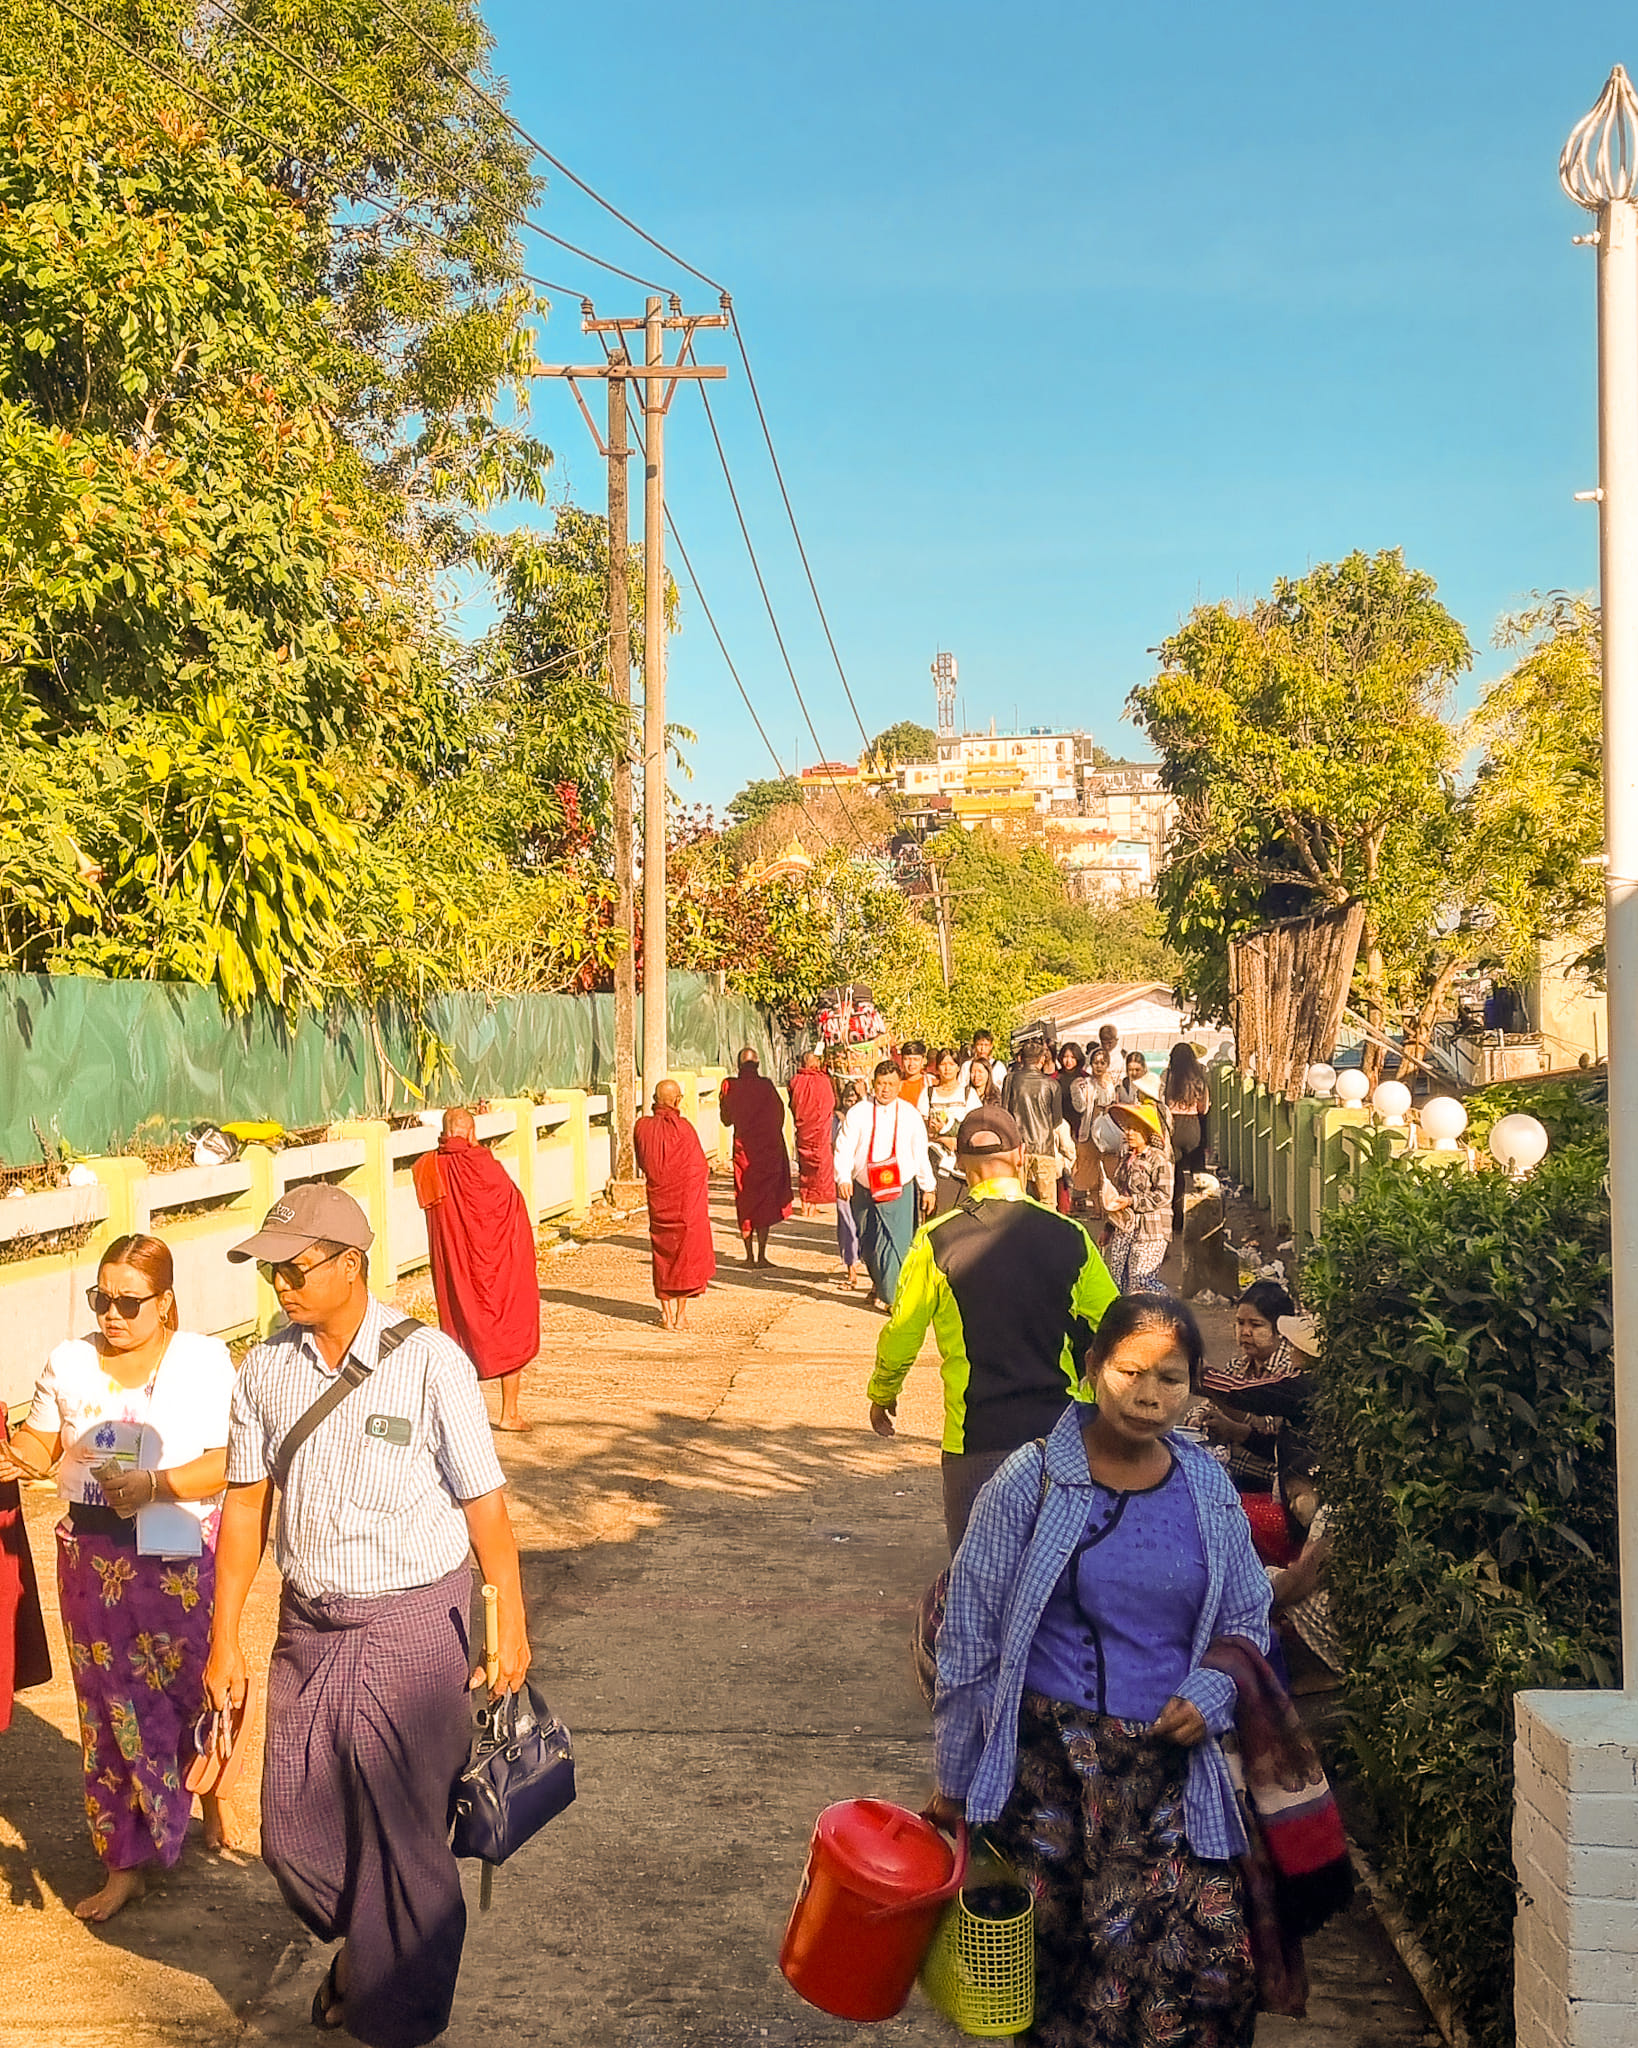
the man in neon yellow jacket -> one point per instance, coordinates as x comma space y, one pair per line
1013, 1292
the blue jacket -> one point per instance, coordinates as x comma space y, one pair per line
1012, 1556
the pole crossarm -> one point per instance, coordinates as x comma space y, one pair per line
671, 372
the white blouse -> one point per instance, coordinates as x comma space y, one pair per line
872, 1133
172, 1418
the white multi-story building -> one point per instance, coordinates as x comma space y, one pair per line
1005, 774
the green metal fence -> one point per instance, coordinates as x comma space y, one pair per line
1298, 1159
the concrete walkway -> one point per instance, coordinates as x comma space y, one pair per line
722, 1561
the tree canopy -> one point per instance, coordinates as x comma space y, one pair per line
905, 741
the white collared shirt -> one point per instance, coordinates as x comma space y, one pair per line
873, 1132
373, 1503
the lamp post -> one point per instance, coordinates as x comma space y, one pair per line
1599, 170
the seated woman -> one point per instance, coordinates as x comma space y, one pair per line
1266, 1389
1076, 1713
137, 1413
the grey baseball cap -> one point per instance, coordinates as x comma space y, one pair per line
304, 1215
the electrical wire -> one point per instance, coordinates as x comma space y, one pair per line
767, 601
398, 137
790, 514
535, 144
275, 142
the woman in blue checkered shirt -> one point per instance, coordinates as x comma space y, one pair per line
1074, 1714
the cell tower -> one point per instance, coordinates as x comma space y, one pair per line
944, 689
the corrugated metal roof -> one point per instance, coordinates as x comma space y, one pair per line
1097, 998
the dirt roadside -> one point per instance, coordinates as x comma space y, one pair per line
721, 1562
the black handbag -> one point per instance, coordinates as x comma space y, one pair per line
519, 1775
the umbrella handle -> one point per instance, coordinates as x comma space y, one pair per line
491, 1635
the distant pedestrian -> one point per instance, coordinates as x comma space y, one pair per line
673, 1164
983, 1055
137, 1415
1267, 1366
1135, 1083
883, 1170
948, 1101
1032, 1099
1109, 1039
983, 1083
376, 1434
913, 1066
1012, 1292
1090, 1096
1186, 1095
755, 1111
1080, 1701
813, 1105
481, 1242
847, 1230
1139, 1204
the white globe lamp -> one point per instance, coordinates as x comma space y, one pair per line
1321, 1079
1518, 1142
1443, 1121
1352, 1087
1391, 1102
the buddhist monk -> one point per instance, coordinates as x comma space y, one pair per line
813, 1104
672, 1161
755, 1110
482, 1246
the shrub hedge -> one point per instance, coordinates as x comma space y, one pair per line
1465, 1420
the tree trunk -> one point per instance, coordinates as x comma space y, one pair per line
1376, 979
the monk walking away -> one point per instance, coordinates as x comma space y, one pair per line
672, 1161
481, 1242
374, 1433
755, 1110
813, 1109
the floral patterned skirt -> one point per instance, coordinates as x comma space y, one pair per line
1139, 1943
138, 1632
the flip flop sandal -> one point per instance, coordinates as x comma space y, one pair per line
219, 1749
328, 2004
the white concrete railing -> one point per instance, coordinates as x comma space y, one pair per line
560, 1153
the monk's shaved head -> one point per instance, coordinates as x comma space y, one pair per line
748, 1056
668, 1095
812, 1061
458, 1123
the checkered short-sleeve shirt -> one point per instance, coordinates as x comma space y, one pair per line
373, 1503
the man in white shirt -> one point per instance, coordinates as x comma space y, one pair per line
881, 1164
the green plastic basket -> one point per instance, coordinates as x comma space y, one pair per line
980, 1971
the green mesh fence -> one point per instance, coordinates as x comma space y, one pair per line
92, 1062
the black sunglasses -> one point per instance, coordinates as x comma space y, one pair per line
294, 1276
127, 1304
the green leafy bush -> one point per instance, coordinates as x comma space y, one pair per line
1466, 1416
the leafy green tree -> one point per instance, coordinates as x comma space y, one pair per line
1017, 933
1304, 738
905, 741
758, 800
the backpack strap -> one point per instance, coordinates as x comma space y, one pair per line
351, 1375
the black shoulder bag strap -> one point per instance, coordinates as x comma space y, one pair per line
351, 1375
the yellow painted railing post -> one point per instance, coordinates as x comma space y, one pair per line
688, 1080
371, 1186
579, 1129
123, 1178
521, 1147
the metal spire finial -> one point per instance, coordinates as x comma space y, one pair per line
1600, 160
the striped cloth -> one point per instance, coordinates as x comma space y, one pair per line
373, 1502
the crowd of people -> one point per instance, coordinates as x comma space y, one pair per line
1138, 1549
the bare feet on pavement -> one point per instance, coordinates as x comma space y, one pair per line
122, 1888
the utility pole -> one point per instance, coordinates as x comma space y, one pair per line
943, 917
660, 380
625, 907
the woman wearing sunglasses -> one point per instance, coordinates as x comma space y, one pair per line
135, 1419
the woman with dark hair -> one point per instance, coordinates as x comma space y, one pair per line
1071, 1066
1186, 1094
1267, 1389
135, 1418
1079, 1704
981, 1080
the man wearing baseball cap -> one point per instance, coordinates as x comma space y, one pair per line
374, 1432
1013, 1292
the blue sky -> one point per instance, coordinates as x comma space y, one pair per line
1067, 318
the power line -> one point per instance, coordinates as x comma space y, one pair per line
761, 584
275, 142
790, 514
556, 162
779, 766
397, 136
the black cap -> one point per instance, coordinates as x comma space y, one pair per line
990, 1129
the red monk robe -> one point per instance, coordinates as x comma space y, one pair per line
762, 1167
483, 1256
672, 1161
813, 1105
